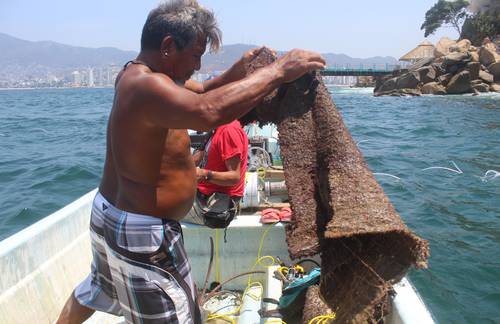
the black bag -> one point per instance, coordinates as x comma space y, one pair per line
219, 210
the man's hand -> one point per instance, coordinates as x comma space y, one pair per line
236, 72
298, 62
239, 70
201, 174
249, 55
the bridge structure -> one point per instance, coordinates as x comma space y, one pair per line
360, 70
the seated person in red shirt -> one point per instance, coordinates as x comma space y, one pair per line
221, 169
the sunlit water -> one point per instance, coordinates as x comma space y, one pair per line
52, 152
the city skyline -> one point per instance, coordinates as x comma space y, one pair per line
356, 28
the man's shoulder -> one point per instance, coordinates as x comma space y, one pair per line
144, 84
232, 132
232, 126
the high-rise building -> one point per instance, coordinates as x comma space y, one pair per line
77, 79
91, 78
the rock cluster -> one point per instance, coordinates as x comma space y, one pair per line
457, 67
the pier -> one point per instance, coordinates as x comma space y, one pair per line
361, 70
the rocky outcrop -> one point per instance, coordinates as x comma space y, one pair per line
462, 46
494, 69
427, 74
481, 87
457, 68
474, 68
459, 83
486, 77
433, 88
443, 46
495, 87
488, 54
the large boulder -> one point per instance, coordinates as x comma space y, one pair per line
388, 85
481, 87
408, 81
494, 69
495, 87
459, 83
445, 78
438, 68
443, 47
426, 74
399, 93
461, 47
456, 59
433, 88
488, 54
473, 68
474, 56
485, 76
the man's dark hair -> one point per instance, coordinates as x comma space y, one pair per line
185, 21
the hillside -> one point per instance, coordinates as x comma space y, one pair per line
22, 59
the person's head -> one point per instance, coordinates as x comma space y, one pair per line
180, 31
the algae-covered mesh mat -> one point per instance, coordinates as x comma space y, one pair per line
316, 308
338, 207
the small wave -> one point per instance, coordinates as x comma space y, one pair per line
41, 129
456, 170
387, 175
490, 175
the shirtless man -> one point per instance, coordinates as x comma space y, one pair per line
140, 269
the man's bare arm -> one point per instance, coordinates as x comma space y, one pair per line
198, 156
235, 73
227, 178
170, 106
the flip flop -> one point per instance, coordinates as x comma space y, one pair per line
285, 214
269, 216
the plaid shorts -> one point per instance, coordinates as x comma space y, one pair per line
139, 270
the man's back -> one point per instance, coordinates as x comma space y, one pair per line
148, 169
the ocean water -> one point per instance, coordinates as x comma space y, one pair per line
52, 152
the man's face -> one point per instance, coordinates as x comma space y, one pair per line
188, 60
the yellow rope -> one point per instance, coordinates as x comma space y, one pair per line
262, 240
259, 261
274, 321
222, 317
217, 271
322, 319
226, 316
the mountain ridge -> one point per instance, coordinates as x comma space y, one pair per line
30, 59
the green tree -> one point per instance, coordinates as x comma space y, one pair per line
481, 25
452, 13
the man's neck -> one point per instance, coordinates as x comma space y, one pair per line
150, 59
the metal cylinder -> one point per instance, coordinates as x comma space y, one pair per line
275, 188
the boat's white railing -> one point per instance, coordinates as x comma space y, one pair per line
42, 264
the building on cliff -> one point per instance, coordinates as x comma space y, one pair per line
424, 50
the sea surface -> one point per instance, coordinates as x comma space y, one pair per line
52, 152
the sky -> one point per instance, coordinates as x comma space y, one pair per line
358, 28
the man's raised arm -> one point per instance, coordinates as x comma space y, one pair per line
171, 106
235, 73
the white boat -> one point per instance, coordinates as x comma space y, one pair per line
42, 264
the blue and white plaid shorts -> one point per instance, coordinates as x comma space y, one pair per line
139, 270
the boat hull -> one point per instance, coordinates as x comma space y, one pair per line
41, 265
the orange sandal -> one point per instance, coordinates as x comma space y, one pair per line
285, 215
270, 216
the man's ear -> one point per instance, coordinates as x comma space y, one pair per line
167, 46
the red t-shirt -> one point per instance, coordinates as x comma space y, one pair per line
228, 141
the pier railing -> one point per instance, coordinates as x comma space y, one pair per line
360, 70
